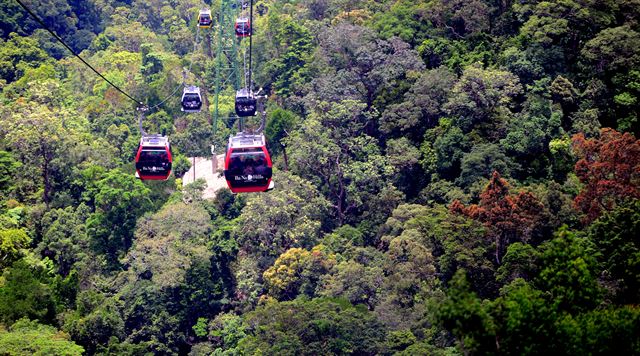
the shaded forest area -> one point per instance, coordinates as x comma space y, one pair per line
452, 177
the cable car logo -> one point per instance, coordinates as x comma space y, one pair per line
249, 177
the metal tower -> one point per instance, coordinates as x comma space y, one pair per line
227, 58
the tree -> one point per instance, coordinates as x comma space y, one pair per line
17, 55
479, 164
358, 67
615, 235
609, 168
466, 316
614, 54
460, 18
509, 218
403, 19
443, 149
30, 337
291, 216
482, 98
524, 320
12, 244
286, 70
358, 280
319, 326
65, 238
8, 166
422, 106
38, 134
120, 199
95, 321
279, 123
345, 164
25, 293
569, 272
297, 272
455, 242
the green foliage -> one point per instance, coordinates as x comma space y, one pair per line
374, 107
279, 123
482, 96
466, 316
8, 167
483, 160
291, 216
95, 321
615, 236
65, 238
120, 199
319, 326
293, 46
12, 244
569, 272
30, 337
25, 293
404, 19
17, 55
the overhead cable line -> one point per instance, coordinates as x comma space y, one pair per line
35, 17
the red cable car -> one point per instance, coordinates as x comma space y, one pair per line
247, 164
243, 27
153, 160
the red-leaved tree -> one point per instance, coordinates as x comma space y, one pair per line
609, 168
510, 218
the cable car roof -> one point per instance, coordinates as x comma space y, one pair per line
244, 93
154, 141
247, 140
191, 89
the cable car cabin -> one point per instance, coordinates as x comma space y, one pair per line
247, 164
191, 99
243, 27
153, 160
204, 19
246, 103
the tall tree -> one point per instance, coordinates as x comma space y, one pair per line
609, 168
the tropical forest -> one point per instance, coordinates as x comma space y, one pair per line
385, 177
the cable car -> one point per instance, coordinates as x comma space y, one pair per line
153, 160
246, 103
191, 99
243, 27
247, 164
204, 19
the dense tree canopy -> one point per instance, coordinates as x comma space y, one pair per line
451, 177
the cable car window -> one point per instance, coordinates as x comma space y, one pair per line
153, 163
248, 169
192, 97
153, 156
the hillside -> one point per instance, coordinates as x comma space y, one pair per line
452, 177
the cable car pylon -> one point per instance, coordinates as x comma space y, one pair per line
226, 61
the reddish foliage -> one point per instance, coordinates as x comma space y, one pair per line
510, 218
609, 168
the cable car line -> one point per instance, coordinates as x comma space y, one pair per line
35, 17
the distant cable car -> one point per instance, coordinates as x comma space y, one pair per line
247, 164
246, 103
243, 27
204, 19
153, 159
191, 99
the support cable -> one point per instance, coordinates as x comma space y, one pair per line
35, 17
